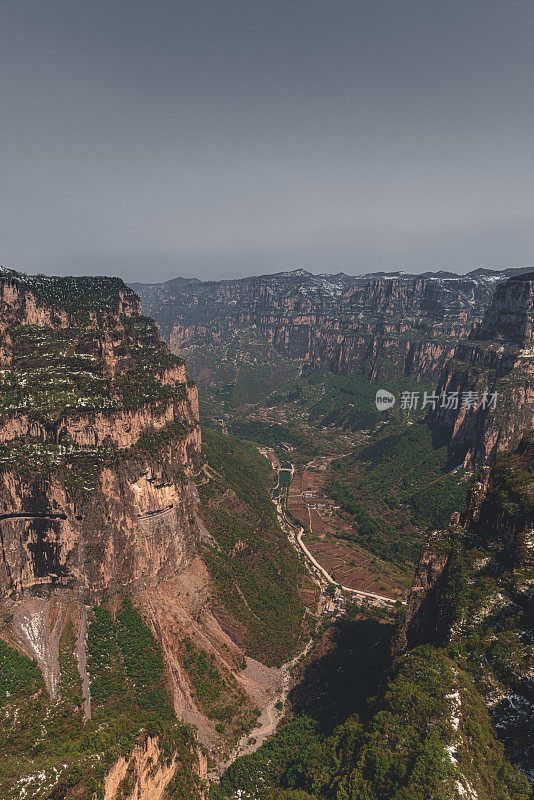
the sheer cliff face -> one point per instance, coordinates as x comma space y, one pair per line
99, 436
381, 327
498, 357
473, 589
473, 593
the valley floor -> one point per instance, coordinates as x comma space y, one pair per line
304, 511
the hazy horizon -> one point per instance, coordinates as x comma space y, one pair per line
194, 138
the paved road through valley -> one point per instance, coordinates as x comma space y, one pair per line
299, 533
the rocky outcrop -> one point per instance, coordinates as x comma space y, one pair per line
99, 441
380, 326
144, 775
495, 367
499, 517
473, 589
422, 622
99, 453
57, 302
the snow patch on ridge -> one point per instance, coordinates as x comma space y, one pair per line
462, 786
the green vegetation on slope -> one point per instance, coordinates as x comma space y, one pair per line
48, 748
242, 368
254, 568
410, 748
275, 763
105, 663
143, 663
266, 433
396, 487
18, 674
125, 663
217, 693
348, 401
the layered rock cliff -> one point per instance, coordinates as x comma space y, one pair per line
473, 590
111, 649
99, 447
99, 437
491, 377
382, 326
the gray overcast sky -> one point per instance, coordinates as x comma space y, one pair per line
230, 137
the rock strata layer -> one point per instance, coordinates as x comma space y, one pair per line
99, 441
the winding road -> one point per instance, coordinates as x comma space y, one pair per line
299, 533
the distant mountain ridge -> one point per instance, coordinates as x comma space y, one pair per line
478, 274
381, 325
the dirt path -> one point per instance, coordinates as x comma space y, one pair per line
270, 716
